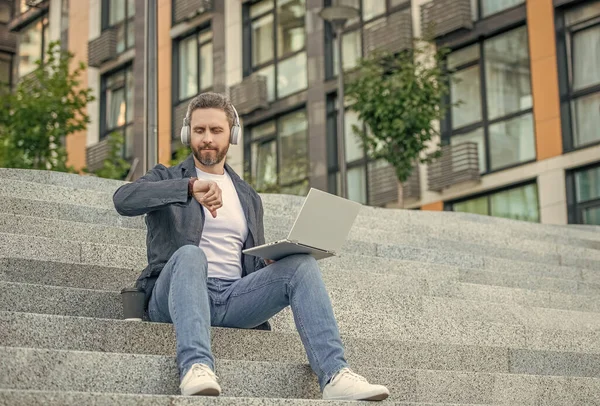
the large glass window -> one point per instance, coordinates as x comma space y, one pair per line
371, 12
277, 45
490, 7
277, 154
518, 203
33, 40
493, 86
119, 14
195, 63
579, 72
585, 195
117, 107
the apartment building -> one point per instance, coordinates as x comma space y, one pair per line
524, 144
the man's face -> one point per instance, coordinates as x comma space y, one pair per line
210, 135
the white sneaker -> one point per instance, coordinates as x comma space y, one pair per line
346, 385
200, 380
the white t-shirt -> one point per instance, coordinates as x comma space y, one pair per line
223, 237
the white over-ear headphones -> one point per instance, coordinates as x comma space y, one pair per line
233, 139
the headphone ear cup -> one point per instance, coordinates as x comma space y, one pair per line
235, 133
185, 135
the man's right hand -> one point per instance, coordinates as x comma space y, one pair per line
209, 195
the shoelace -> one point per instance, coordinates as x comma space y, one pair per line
201, 370
348, 372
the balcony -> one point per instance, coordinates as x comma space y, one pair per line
103, 48
8, 40
178, 116
250, 94
184, 10
96, 154
458, 163
383, 183
411, 189
36, 9
446, 16
393, 35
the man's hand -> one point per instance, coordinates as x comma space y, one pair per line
209, 195
269, 261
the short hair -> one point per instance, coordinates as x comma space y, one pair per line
211, 100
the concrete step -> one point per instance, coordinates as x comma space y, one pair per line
432, 323
72, 398
27, 369
85, 232
69, 212
403, 277
407, 278
29, 330
474, 269
87, 182
289, 205
394, 303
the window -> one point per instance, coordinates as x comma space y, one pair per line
517, 203
117, 107
370, 13
485, 8
195, 62
277, 154
583, 187
356, 159
276, 49
579, 72
32, 45
493, 85
119, 14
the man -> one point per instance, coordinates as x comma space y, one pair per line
200, 216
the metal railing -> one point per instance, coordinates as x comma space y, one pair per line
458, 163
446, 16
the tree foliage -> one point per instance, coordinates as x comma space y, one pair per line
46, 106
399, 98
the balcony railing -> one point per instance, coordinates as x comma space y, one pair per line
383, 183
8, 40
178, 116
446, 16
185, 9
250, 94
96, 154
458, 163
393, 35
103, 48
411, 189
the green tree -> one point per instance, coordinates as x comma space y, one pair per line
114, 166
181, 154
46, 106
399, 98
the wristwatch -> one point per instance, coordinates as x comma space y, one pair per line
191, 186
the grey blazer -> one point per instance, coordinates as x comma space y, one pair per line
173, 219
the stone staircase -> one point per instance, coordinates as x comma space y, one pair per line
443, 308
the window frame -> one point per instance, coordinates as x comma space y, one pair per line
479, 12
274, 136
329, 32
575, 209
247, 41
447, 132
104, 130
333, 168
177, 100
564, 45
105, 22
448, 206
45, 20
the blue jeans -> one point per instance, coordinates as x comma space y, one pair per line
185, 296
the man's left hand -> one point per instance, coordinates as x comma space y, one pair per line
269, 261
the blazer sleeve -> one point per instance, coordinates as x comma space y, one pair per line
152, 191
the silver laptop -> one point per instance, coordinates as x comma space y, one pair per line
320, 229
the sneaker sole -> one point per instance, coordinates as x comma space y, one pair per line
365, 396
202, 391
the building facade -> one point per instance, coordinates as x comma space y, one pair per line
524, 143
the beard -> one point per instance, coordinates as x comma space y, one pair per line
210, 157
